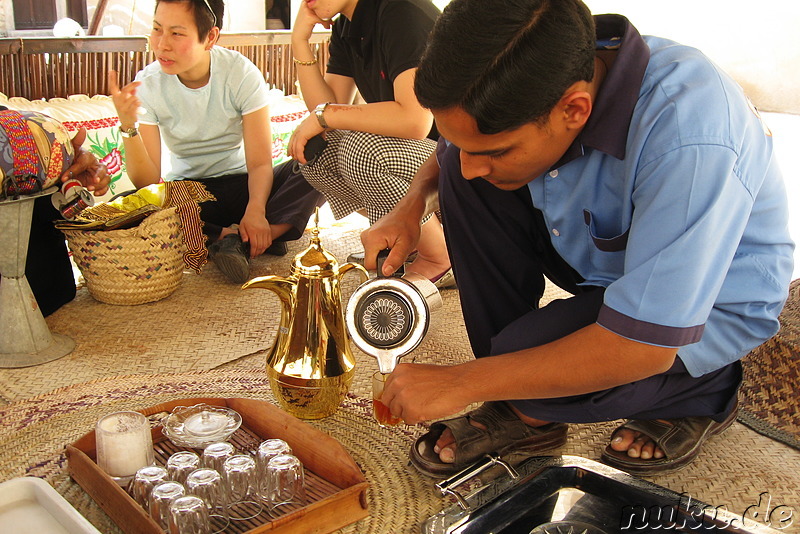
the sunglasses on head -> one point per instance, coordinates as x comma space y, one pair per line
212, 11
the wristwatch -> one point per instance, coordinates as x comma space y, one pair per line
318, 111
129, 132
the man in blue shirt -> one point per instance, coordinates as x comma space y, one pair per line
631, 172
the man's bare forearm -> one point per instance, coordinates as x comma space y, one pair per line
423, 193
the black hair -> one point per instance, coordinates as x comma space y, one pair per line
506, 62
204, 18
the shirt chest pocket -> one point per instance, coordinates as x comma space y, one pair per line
606, 249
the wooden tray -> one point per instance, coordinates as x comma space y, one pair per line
335, 485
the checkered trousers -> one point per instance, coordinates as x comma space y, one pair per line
359, 170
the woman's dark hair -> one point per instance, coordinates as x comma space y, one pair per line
207, 14
506, 62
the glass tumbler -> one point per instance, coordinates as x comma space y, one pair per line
143, 483
180, 464
379, 409
188, 515
285, 482
215, 454
161, 497
208, 484
241, 478
266, 451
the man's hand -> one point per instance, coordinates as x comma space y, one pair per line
420, 392
85, 168
254, 229
399, 231
305, 22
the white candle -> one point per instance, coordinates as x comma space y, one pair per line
124, 444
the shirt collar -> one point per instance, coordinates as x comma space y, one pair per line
363, 24
607, 127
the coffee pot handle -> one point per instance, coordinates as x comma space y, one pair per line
347, 267
381, 259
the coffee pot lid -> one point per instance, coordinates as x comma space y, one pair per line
315, 261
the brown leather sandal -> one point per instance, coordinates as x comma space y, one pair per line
680, 439
505, 433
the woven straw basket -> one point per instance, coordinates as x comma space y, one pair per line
131, 266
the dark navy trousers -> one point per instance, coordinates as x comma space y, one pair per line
501, 252
291, 201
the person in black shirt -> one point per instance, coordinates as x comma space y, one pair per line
373, 149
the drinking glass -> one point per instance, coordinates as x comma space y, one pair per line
381, 411
266, 451
188, 515
208, 484
215, 454
143, 483
285, 481
180, 464
241, 477
124, 444
161, 497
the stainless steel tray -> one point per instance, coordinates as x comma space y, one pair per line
573, 495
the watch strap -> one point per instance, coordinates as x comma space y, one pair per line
319, 112
129, 132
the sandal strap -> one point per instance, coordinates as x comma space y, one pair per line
503, 427
675, 436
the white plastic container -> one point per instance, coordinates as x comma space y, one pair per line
29, 505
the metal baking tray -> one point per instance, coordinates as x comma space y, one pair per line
574, 495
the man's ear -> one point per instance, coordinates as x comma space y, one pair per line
576, 107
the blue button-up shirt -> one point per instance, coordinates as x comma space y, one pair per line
671, 199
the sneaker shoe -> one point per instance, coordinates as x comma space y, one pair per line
446, 280
230, 256
277, 248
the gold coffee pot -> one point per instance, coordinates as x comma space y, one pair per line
310, 366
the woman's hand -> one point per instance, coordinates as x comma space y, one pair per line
125, 100
305, 131
254, 229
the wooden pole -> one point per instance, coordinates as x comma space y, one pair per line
97, 17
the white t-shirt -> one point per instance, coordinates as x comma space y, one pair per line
202, 128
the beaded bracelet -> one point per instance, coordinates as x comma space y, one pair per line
312, 62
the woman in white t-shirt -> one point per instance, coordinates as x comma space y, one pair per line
209, 106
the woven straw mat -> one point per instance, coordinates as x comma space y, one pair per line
732, 470
770, 393
205, 322
139, 356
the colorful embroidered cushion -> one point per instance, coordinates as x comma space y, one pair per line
35, 150
98, 116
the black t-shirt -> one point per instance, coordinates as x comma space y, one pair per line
384, 39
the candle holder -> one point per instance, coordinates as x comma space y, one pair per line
124, 445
